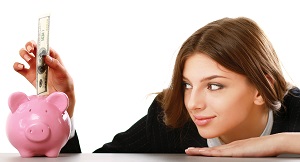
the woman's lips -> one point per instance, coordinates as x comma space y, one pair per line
203, 120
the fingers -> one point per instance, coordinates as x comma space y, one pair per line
20, 68
28, 54
28, 57
30, 50
222, 150
209, 152
31, 47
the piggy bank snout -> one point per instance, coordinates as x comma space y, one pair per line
37, 132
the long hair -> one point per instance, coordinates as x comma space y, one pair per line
237, 44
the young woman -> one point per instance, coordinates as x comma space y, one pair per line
227, 97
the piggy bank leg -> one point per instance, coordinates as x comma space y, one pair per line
53, 153
26, 154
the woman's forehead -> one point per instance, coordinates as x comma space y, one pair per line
202, 62
200, 65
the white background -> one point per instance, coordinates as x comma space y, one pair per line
120, 51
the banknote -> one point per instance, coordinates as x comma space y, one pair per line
42, 51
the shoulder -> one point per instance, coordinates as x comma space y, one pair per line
292, 98
295, 91
155, 109
287, 119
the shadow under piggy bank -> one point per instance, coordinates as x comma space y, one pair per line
38, 125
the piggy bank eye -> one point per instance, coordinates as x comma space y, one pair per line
29, 110
46, 111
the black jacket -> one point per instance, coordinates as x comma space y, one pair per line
150, 134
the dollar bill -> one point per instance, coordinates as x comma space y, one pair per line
42, 51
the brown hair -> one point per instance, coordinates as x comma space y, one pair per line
237, 44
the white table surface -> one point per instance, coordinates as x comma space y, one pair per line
118, 157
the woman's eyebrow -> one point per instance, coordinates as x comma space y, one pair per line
207, 78
212, 77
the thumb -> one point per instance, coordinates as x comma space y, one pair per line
53, 63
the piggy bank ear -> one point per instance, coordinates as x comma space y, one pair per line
59, 99
16, 99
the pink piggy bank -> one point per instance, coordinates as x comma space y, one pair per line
38, 125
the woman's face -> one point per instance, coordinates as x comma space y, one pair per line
221, 103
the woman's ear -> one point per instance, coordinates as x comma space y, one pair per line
258, 99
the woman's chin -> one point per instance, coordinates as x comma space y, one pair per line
207, 134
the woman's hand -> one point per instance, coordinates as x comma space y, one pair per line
271, 145
58, 77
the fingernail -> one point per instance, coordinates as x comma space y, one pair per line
20, 66
27, 58
49, 58
29, 48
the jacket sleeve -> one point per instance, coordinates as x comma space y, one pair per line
72, 146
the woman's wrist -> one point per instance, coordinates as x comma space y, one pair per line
279, 143
287, 143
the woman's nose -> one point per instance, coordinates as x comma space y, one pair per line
196, 100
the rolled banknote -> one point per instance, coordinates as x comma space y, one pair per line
42, 51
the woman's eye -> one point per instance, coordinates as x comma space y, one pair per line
214, 87
187, 86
